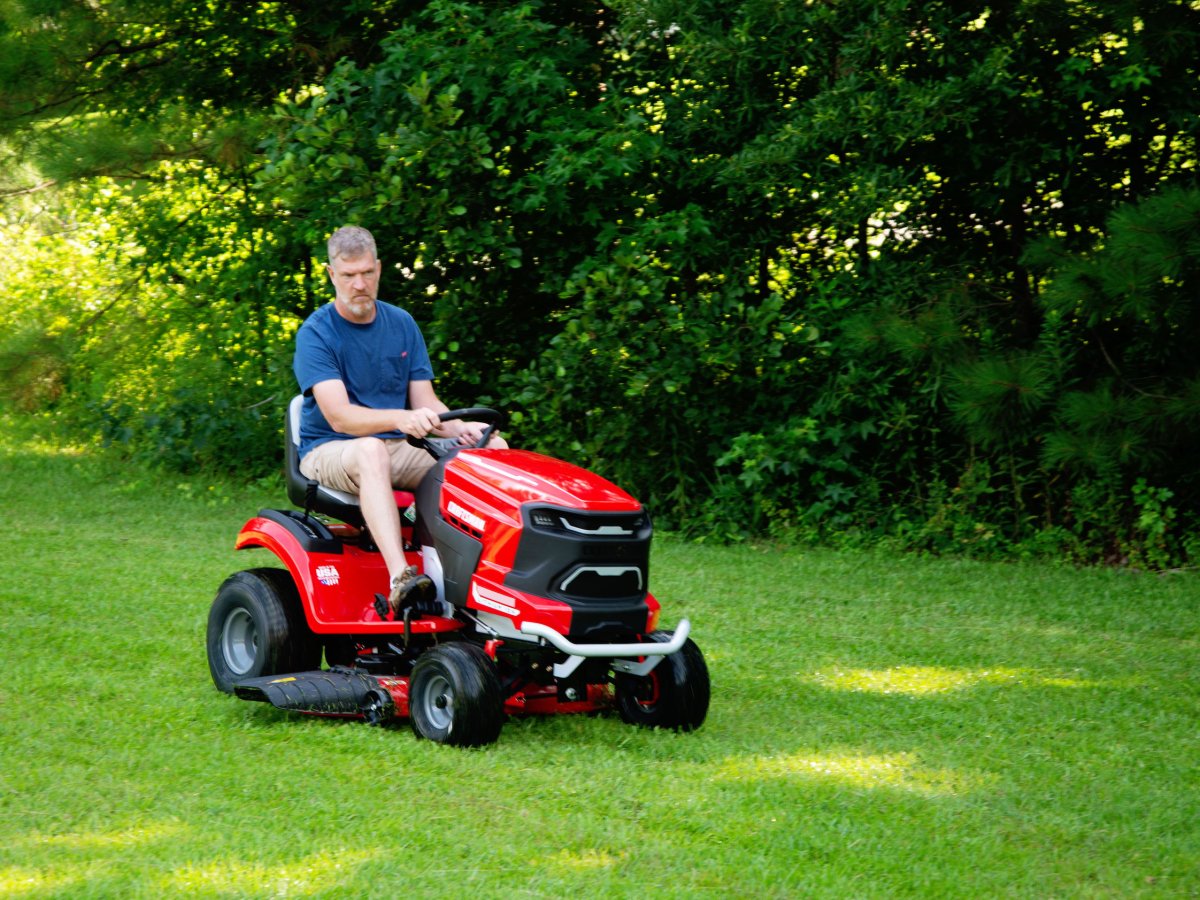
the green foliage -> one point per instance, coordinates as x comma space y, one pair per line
798, 477
184, 431
114, 88
959, 519
453, 149
649, 382
998, 400
1132, 410
836, 271
163, 348
1153, 525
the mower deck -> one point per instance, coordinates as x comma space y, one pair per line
326, 692
344, 692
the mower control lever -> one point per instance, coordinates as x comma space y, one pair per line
491, 416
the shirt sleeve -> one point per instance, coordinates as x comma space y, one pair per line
314, 361
422, 368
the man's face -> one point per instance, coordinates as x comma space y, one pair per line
355, 285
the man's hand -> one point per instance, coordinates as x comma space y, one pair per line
471, 433
419, 422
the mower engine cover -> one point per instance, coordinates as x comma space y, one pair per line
521, 536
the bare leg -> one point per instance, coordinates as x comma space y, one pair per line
368, 463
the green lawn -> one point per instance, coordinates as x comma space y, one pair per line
881, 726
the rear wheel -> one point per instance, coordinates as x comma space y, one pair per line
256, 627
454, 696
673, 695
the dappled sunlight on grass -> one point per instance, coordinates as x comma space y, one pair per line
18, 435
75, 864
893, 771
585, 859
236, 878
917, 681
927, 740
73, 867
17, 881
127, 837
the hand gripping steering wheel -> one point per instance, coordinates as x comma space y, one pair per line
439, 447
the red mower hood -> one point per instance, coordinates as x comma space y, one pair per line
527, 477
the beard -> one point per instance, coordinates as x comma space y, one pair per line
361, 306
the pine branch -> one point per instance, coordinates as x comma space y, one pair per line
129, 284
55, 104
1117, 372
33, 189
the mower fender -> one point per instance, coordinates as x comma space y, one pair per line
312, 555
649, 653
280, 539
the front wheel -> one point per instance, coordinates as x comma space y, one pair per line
454, 696
256, 627
673, 695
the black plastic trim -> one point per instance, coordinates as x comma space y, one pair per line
459, 553
548, 555
314, 536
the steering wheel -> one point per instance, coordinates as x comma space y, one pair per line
439, 447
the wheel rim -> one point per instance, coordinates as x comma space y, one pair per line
437, 702
648, 692
239, 641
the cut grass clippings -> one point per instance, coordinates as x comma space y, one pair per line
881, 726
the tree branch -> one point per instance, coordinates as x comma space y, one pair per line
20, 192
112, 47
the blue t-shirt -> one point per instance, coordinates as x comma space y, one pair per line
375, 362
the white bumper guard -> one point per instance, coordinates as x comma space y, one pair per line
577, 653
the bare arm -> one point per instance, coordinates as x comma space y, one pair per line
421, 394
349, 418
420, 421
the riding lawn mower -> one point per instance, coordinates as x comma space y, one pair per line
542, 604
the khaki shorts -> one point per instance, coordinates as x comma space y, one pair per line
326, 465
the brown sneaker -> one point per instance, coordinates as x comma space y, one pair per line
410, 589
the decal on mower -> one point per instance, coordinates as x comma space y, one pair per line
467, 516
327, 575
491, 600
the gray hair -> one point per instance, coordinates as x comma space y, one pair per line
350, 241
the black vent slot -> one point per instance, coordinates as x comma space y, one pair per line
596, 562
603, 582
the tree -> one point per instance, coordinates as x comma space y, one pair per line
113, 88
128, 140
850, 266
899, 160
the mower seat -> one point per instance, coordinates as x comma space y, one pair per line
308, 494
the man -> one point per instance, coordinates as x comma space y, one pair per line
367, 382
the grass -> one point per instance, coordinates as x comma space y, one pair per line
881, 726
